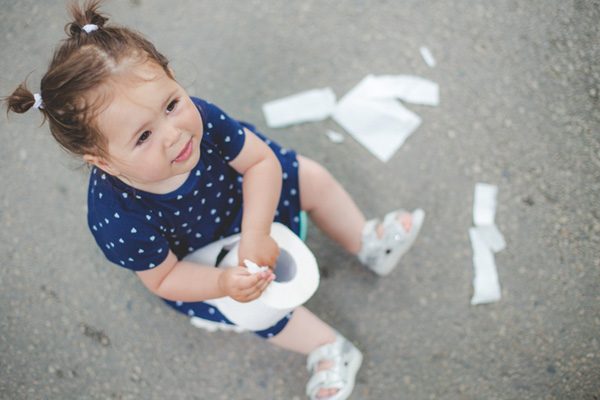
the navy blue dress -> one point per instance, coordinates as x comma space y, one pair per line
136, 229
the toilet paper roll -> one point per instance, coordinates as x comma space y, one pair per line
297, 279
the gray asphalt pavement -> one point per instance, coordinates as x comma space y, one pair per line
520, 108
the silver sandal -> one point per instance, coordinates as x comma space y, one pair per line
382, 254
346, 360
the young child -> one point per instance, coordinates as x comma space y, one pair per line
172, 173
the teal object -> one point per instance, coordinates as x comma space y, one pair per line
303, 225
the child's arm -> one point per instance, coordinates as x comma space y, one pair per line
187, 281
261, 190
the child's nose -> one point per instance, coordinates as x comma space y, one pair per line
172, 135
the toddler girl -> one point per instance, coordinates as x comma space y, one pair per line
172, 173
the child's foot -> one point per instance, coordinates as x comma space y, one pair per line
334, 368
383, 244
325, 393
402, 217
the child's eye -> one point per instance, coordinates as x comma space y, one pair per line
143, 137
172, 105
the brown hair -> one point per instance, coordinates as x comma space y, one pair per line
81, 63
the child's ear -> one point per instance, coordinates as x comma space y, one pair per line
101, 163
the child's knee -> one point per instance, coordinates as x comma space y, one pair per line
313, 172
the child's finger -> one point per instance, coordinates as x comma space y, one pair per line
262, 281
250, 295
258, 291
268, 277
263, 284
247, 282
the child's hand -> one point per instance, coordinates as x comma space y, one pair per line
259, 248
241, 285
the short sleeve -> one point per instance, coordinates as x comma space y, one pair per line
130, 240
226, 133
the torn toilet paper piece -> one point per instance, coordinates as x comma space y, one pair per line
409, 88
486, 240
381, 126
486, 287
427, 56
253, 268
312, 105
492, 237
334, 136
484, 205
371, 113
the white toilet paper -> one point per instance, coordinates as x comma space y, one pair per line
311, 105
486, 285
484, 206
254, 268
297, 279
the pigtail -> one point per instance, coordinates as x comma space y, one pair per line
80, 64
83, 17
21, 100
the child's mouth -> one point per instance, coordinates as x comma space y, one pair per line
185, 153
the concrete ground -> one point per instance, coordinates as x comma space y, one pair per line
520, 108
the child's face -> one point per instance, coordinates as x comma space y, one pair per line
152, 128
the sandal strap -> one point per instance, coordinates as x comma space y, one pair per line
345, 360
326, 379
369, 240
391, 224
370, 226
329, 351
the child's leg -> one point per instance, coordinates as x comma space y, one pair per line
332, 208
329, 205
304, 332
336, 214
